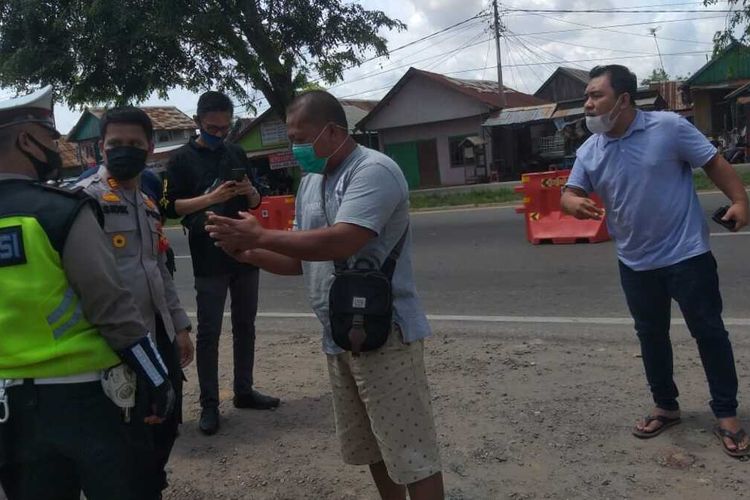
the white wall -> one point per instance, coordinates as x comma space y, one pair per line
421, 101
441, 132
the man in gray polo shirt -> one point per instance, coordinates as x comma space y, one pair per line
381, 398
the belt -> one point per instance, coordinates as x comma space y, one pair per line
79, 378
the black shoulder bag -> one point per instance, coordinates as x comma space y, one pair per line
360, 302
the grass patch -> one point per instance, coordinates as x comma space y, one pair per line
703, 183
478, 197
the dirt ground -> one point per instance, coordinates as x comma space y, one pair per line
523, 412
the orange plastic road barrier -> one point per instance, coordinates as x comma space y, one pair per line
276, 212
545, 221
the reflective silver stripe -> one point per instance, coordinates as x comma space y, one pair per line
4, 410
59, 312
63, 329
156, 352
148, 366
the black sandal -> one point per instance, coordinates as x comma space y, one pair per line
666, 423
736, 438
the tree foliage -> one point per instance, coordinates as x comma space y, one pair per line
118, 51
737, 25
657, 75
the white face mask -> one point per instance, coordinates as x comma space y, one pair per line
605, 122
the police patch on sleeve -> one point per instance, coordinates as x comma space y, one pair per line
12, 252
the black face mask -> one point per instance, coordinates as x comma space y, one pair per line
46, 170
126, 162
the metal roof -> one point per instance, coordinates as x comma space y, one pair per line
484, 91
528, 114
732, 64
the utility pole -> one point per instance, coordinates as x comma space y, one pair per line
658, 50
501, 88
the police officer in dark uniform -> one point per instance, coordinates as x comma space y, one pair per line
65, 319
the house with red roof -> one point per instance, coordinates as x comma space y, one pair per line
431, 125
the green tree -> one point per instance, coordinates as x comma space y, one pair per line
737, 23
657, 75
118, 51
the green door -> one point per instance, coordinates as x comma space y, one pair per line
407, 156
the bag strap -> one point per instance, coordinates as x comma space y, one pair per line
339, 265
389, 265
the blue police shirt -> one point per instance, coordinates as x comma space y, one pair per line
645, 181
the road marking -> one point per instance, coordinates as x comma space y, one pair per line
742, 233
502, 319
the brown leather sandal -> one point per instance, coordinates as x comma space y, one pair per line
736, 438
666, 423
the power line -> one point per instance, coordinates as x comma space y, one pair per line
513, 69
618, 11
391, 68
586, 46
459, 49
694, 52
436, 56
520, 40
445, 58
479, 15
586, 27
610, 9
528, 58
487, 56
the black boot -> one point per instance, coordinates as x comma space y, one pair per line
209, 421
256, 401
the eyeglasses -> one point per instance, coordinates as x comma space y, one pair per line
215, 129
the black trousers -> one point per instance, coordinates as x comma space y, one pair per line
211, 297
61, 439
165, 434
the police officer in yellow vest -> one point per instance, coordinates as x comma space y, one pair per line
64, 318
133, 224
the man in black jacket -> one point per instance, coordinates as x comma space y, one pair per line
208, 174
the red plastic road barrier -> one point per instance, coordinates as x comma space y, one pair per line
545, 221
276, 212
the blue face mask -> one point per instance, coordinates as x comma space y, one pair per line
308, 159
212, 141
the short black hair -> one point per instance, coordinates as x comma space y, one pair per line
321, 107
214, 101
129, 115
621, 78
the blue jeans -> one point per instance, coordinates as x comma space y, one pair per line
694, 285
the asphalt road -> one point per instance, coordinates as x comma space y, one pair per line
478, 262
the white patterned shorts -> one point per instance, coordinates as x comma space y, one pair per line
383, 410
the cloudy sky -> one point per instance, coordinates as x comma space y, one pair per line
533, 46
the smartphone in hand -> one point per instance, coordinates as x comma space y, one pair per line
238, 174
721, 212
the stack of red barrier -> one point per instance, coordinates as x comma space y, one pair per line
276, 212
545, 221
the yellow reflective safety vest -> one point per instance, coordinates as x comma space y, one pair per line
43, 332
